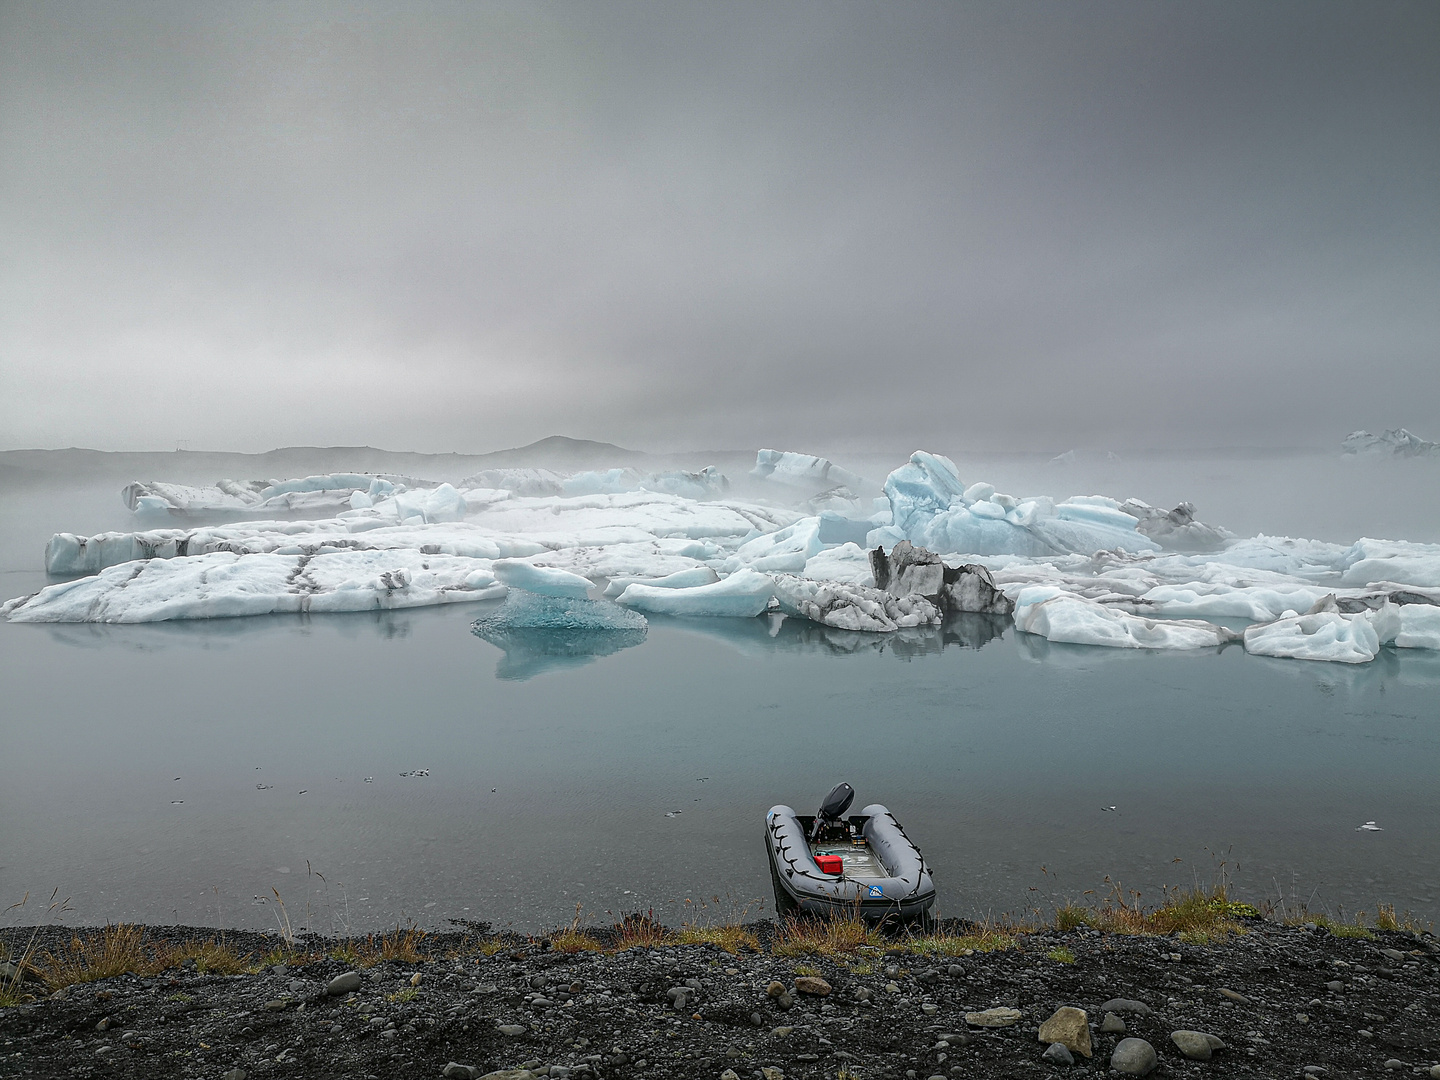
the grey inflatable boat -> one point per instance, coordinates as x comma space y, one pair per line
830, 864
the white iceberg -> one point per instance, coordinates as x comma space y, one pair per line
1320, 635
222, 584
541, 580
744, 594
681, 579
1060, 616
804, 471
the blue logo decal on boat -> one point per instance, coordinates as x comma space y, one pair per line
875, 890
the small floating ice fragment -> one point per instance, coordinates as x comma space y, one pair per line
1369, 826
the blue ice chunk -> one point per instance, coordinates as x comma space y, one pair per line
529, 611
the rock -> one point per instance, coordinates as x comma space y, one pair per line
455, 1071
1196, 1045
781, 1032
929, 1008
1125, 1005
1394, 1063
346, 983
1435, 1072
994, 1018
772, 1073
1231, 995
1068, 1027
971, 588
785, 1001
277, 1005
1058, 1054
729, 1074
1395, 954
812, 984
775, 989
1135, 1057
510, 1074
955, 971
863, 993
234, 1074
1335, 986
1112, 1024
511, 1029
892, 988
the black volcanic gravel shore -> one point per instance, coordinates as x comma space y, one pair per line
1285, 1002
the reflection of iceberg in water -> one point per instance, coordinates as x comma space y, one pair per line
533, 651
223, 633
545, 633
777, 633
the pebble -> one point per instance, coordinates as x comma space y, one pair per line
509, 1074
729, 1074
346, 983
1396, 955
1068, 1027
955, 971
1135, 1057
1112, 1024
1435, 1072
1231, 995
1314, 1070
1125, 1005
769, 1072
892, 988
1394, 1063
1058, 1054
994, 1018
811, 984
278, 1005
929, 1008
234, 1074
455, 1071
1196, 1045
511, 1029
775, 989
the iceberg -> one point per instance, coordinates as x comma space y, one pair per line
744, 594
1058, 616
222, 584
815, 474
854, 607
1085, 569
932, 508
681, 579
1320, 635
541, 580
1396, 442
541, 633
311, 496
707, 483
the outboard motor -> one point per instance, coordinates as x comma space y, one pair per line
835, 804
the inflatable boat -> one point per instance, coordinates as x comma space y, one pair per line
830, 864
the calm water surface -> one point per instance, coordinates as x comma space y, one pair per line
190, 771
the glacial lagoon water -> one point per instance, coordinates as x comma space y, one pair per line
192, 771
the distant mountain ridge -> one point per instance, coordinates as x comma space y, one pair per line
559, 452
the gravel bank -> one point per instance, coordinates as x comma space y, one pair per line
1276, 1001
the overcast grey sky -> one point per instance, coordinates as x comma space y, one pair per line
467, 226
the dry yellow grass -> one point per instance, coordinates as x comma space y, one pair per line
640, 932
574, 940
733, 939
825, 937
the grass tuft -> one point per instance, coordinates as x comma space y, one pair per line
1061, 955
640, 931
825, 937
733, 939
573, 940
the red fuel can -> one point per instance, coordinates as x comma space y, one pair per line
830, 864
